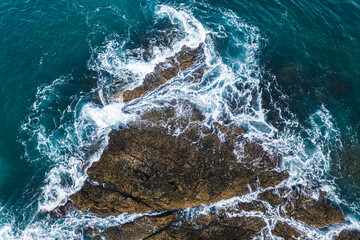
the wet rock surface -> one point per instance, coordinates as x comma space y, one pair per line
61, 210
297, 204
146, 227
250, 207
147, 168
348, 235
285, 231
167, 70
166, 226
144, 169
315, 212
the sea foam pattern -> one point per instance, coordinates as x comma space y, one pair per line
231, 89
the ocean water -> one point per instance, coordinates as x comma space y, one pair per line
288, 72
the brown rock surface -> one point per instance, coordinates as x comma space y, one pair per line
165, 71
251, 206
141, 228
252, 153
313, 212
285, 231
271, 197
143, 170
298, 205
214, 226
169, 159
224, 228
146, 168
348, 235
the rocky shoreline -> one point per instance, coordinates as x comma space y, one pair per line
171, 159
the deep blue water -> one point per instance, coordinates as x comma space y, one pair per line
298, 60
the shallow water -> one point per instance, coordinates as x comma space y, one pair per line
286, 71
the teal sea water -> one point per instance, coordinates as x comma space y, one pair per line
288, 72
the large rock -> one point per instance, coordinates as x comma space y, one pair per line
61, 210
146, 168
165, 71
169, 159
144, 171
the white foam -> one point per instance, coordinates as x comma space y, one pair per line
195, 32
107, 116
127, 68
6, 232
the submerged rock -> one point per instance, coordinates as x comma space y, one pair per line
61, 210
165, 71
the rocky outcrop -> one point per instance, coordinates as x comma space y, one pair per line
165, 71
169, 160
315, 213
232, 223
220, 228
172, 158
144, 169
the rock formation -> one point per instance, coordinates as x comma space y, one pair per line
145, 169
165, 71
169, 159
